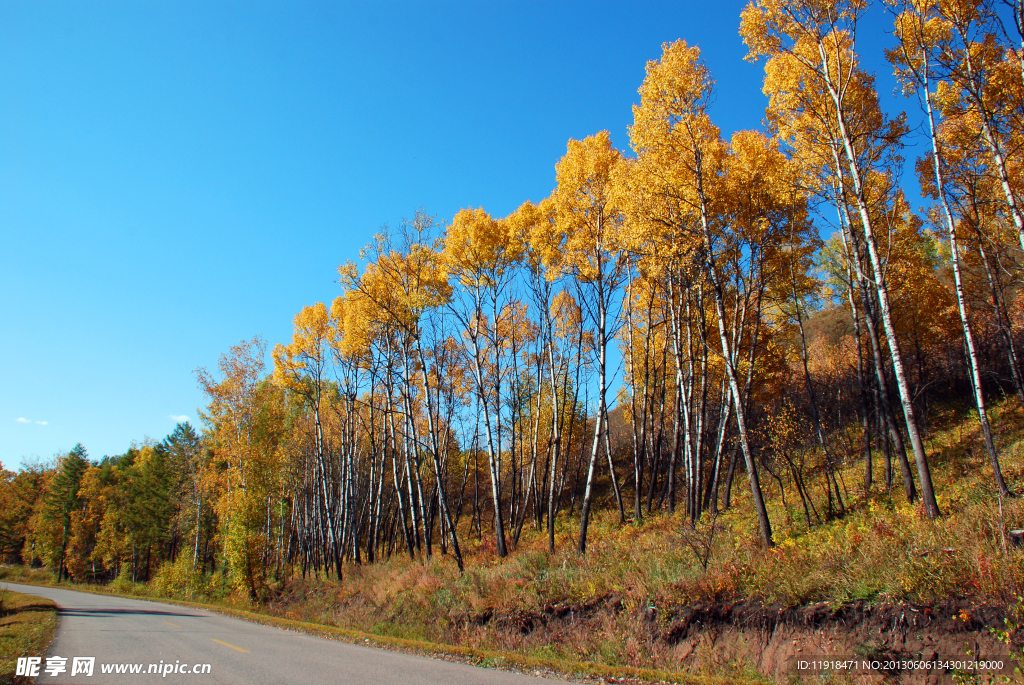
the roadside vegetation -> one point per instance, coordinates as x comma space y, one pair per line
27, 626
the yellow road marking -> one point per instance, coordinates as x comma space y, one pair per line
172, 624
228, 644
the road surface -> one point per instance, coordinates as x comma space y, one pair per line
152, 636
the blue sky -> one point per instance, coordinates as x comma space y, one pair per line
177, 177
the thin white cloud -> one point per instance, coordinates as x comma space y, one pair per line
21, 420
180, 419
41, 423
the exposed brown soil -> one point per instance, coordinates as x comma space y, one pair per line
776, 638
713, 638
731, 640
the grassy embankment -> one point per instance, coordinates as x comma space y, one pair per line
569, 610
27, 626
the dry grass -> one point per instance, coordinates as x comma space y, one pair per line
882, 550
27, 626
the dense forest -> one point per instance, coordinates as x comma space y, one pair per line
677, 328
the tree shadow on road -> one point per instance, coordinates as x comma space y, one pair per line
73, 611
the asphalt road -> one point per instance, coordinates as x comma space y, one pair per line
118, 631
